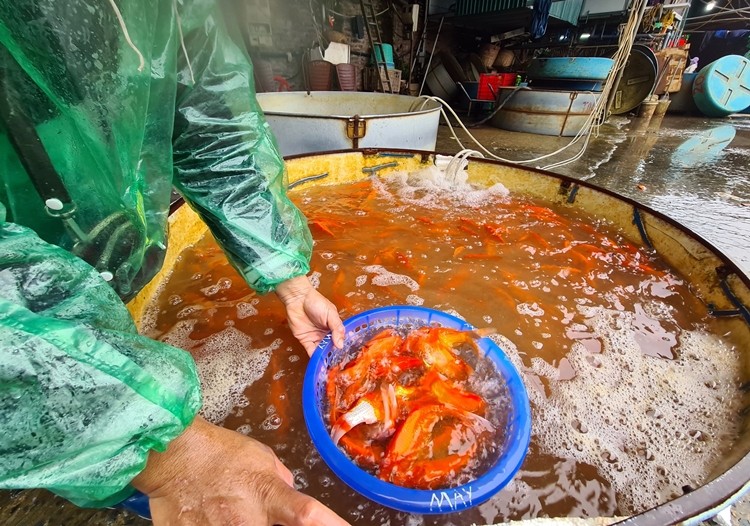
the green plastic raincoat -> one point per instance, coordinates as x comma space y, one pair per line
104, 106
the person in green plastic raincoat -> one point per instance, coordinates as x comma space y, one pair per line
105, 106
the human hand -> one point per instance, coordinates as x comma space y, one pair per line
310, 314
213, 476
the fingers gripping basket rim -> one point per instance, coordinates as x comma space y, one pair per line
518, 431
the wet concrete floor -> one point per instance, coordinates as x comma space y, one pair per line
690, 168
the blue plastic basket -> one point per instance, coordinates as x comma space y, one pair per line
518, 432
138, 503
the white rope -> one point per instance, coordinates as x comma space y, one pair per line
593, 121
142, 61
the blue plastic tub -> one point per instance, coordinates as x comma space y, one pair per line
579, 68
518, 431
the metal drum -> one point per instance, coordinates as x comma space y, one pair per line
567, 84
440, 83
715, 278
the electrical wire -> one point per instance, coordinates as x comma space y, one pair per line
496, 110
723, 15
690, 29
444, 105
714, 22
384, 11
722, 12
118, 14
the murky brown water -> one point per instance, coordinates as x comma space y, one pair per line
617, 353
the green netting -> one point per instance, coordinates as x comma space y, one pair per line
104, 106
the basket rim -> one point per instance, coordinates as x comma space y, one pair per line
411, 500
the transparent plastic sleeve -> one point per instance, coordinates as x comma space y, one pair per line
83, 397
227, 164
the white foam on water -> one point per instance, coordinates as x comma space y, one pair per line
151, 313
432, 188
530, 309
187, 311
174, 299
246, 309
245, 429
300, 479
227, 364
386, 278
272, 422
222, 284
649, 425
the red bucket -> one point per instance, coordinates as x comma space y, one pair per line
489, 82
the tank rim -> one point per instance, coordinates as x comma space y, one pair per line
435, 106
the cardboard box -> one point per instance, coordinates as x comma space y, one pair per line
372, 83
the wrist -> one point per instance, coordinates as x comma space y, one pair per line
293, 289
164, 469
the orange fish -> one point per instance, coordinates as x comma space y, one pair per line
361, 375
376, 407
394, 408
434, 444
438, 347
